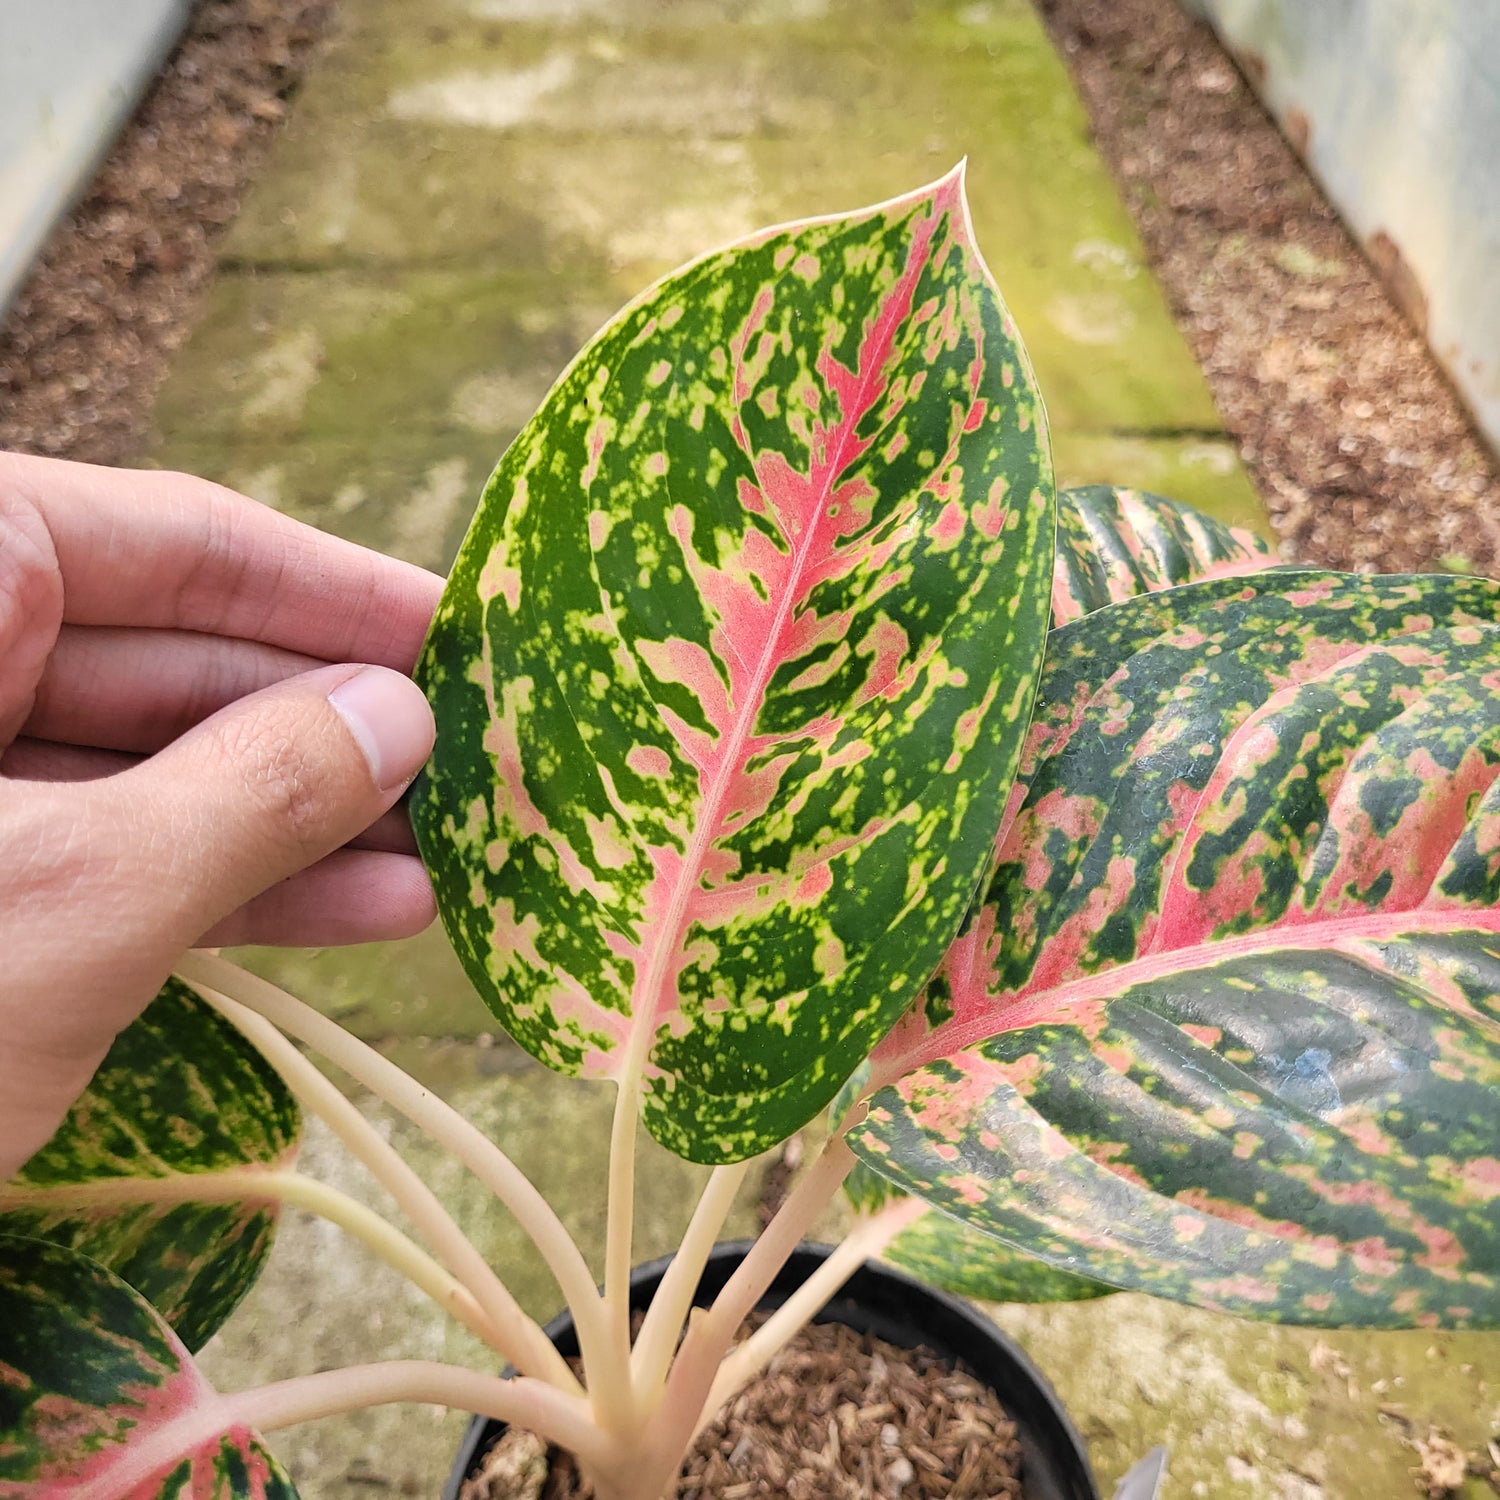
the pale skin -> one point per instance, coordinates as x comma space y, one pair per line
206, 724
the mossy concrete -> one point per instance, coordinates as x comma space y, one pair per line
465, 191
382, 991
324, 1302
1250, 1412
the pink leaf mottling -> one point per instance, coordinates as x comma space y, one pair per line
648, 760
758, 601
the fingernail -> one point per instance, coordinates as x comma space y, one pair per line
390, 721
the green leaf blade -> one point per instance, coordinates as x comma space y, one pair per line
181, 1091
1115, 543
1225, 1027
91, 1378
761, 595
948, 1253
1150, 1144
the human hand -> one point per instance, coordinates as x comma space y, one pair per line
187, 754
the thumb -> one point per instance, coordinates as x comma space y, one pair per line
270, 785
106, 882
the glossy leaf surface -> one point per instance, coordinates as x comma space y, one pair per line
947, 1253
1226, 1027
91, 1380
181, 1091
734, 666
1114, 543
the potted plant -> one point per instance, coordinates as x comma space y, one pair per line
1161, 959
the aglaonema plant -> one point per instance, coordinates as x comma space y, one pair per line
1163, 958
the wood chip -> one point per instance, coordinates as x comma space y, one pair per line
841, 1416
1443, 1467
1360, 448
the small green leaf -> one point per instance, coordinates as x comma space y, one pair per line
91, 1379
1113, 544
1225, 1026
733, 668
181, 1091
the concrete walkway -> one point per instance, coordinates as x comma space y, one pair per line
466, 190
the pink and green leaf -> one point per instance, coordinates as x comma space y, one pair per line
99, 1399
949, 1253
1113, 544
1225, 1026
181, 1091
734, 666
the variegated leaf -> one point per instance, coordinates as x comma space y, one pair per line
181, 1091
1113, 544
946, 1252
733, 669
1226, 1027
99, 1400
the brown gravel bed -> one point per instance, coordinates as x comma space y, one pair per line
88, 340
838, 1415
1360, 448
1358, 445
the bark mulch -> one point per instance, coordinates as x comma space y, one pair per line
1359, 446
88, 340
837, 1415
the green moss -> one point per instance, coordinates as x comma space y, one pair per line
1251, 1412
373, 406
464, 200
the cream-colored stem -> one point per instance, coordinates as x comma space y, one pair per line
749, 1358
669, 1307
620, 1230
512, 1334
522, 1402
525, 1402
614, 1397
474, 1149
249, 1184
710, 1331
772, 1250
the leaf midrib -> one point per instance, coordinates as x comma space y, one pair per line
644, 1026
1020, 1010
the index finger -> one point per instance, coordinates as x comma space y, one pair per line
141, 547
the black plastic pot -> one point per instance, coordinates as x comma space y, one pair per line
902, 1311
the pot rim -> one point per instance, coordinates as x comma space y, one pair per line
889, 1297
